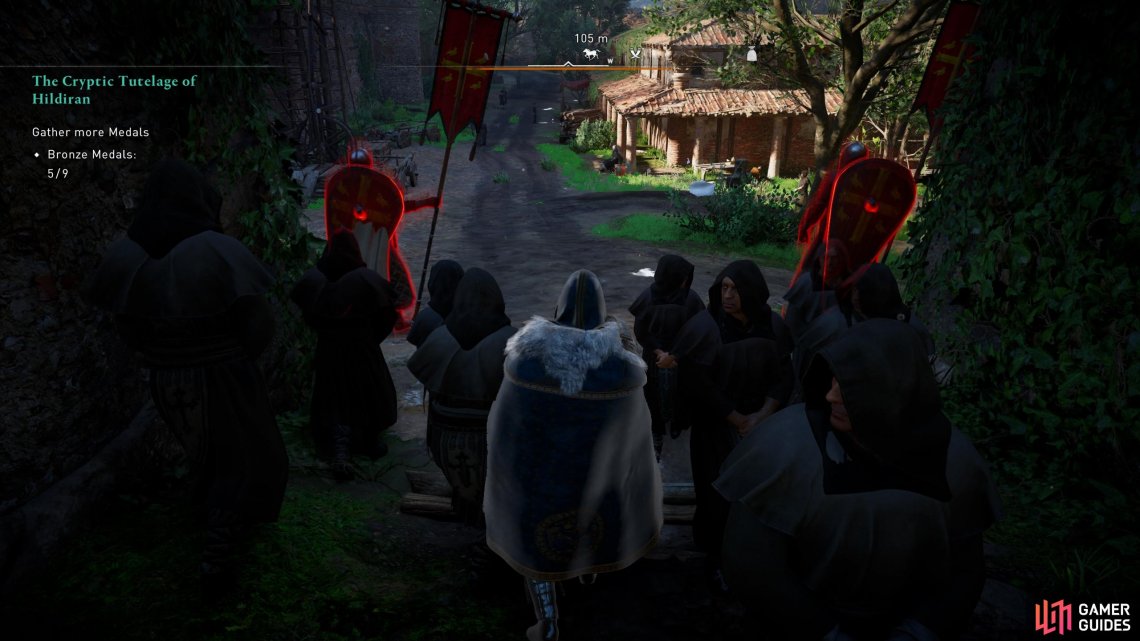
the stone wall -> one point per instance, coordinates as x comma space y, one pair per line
390, 31
68, 384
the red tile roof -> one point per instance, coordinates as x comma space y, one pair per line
640, 96
709, 34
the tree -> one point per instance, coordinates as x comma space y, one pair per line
868, 51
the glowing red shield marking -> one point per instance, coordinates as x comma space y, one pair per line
869, 203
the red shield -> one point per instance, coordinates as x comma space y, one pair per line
371, 204
869, 203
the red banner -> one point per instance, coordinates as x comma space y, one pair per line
950, 51
469, 38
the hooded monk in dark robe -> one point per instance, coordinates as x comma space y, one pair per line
734, 374
461, 365
444, 278
859, 512
191, 301
659, 313
871, 292
572, 485
352, 309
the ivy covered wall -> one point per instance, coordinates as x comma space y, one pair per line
1029, 246
69, 386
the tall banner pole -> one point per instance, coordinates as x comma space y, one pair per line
446, 159
484, 28
951, 51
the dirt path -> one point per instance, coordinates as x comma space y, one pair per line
532, 232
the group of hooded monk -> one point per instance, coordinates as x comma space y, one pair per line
855, 513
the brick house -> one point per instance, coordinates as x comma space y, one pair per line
685, 112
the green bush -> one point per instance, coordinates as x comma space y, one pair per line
501, 177
1027, 243
595, 134
749, 215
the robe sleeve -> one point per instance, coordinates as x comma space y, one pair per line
251, 318
702, 392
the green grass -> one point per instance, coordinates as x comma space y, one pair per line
514, 120
501, 178
467, 135
499, 147
580, 174
385, 114
338, 565
659, 229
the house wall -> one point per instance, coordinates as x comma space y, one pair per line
680, 132
753, 139
695, 140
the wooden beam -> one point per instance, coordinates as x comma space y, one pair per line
428, 481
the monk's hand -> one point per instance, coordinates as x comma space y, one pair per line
751, 421
665, 360
741, 422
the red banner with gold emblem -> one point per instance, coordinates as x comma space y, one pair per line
469, 41
946, 62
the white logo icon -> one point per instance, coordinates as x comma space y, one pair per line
591, 54
636, 53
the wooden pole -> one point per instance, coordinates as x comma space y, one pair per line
434, 220
446, 157
922, 158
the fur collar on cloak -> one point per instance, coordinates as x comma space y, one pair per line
567, 355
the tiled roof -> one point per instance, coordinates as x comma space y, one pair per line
640, 96
710, 34
630, 91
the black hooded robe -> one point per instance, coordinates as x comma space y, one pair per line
191, 301
868, 531
727, 366
659, 313
444, 278
461, 364
877, 292
352, 309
